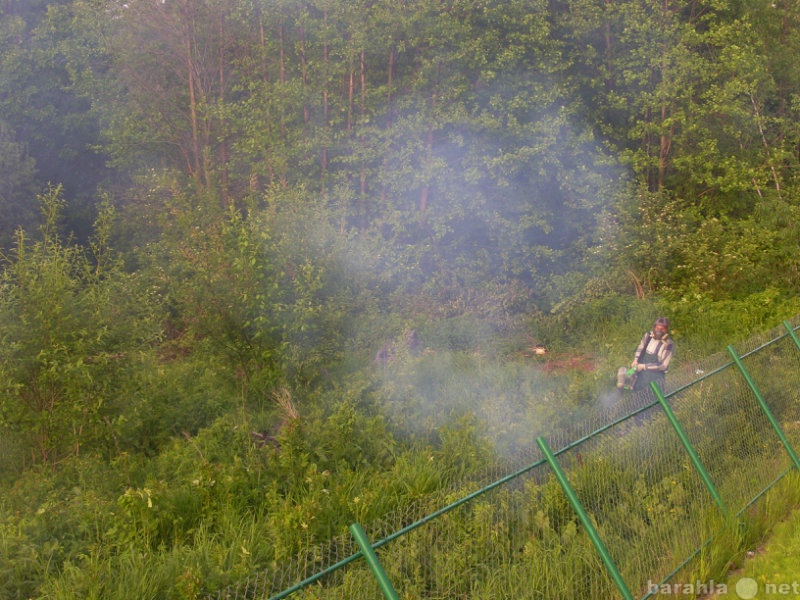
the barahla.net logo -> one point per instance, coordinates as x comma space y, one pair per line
698, 588
746, 588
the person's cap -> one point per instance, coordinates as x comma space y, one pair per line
663, 321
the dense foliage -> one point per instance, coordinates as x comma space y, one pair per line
342, 226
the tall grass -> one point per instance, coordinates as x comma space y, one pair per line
215, 510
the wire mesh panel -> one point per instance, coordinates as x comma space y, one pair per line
637, 485
284, 575
775, 369
518, 541
731, 435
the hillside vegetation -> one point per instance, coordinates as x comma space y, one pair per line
273, 267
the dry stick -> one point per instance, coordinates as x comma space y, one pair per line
638, 285
766, 146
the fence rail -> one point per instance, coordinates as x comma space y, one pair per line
643, 501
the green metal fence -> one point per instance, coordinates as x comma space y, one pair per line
634, 506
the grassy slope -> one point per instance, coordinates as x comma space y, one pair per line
775, 564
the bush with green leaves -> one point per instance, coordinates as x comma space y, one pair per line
263, 289
72, 321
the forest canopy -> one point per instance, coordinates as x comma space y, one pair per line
534, 145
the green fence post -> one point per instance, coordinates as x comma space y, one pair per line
373, 562
687, 445
765, 409
585, 520
792, 334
